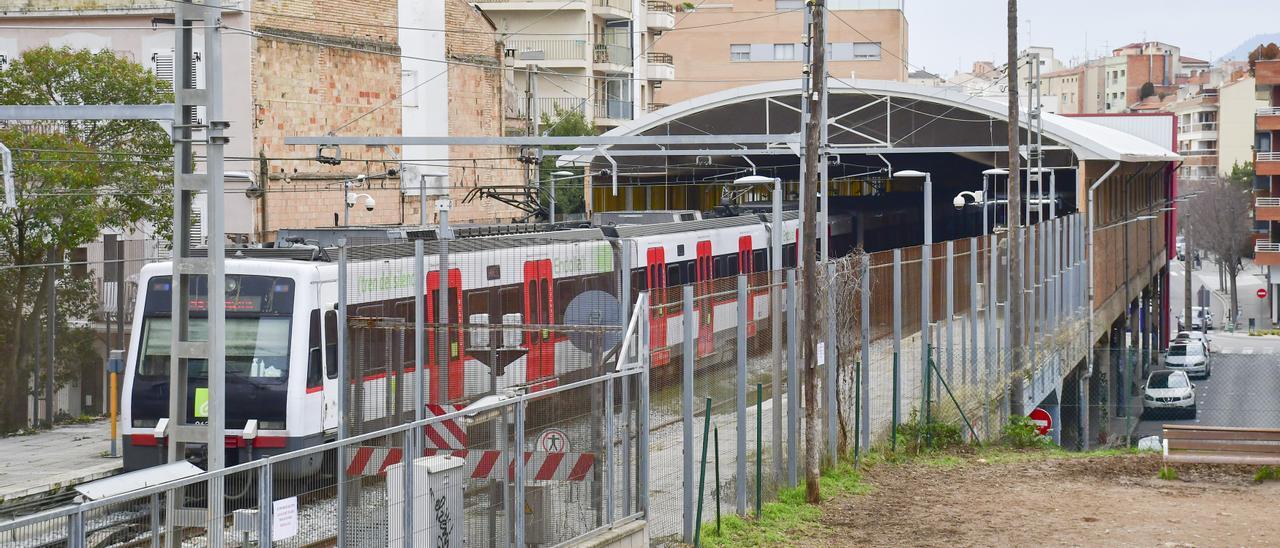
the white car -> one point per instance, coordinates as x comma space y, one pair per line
1169, 391
1197, 336
1188, 356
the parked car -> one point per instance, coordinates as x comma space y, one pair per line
1198, 336
1201, 319
1189, 357
1169, 391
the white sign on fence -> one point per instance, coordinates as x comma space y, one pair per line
822, 353
284, 518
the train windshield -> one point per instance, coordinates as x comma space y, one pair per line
257, 348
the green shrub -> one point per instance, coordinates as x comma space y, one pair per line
916, 436
1267, 473
1168, 474
1020, 433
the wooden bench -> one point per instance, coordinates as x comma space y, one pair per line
1221, 444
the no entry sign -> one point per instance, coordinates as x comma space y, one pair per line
1262, 293
1043, 421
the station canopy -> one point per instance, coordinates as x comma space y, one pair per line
870, 123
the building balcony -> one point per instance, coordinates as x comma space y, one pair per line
657, 106
611, 58
1268, 119
612, 10
1199, 152
1267, 72
1266, 253
550, 106
534, 5
661, 16
551, 53
1266, 208
661, 66
612, 112
1267, 163
1198, 127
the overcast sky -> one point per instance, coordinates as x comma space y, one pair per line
951, 34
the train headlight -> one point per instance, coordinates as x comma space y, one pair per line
270, 425
232, 284
144, 423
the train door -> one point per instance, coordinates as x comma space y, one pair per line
455, 320
705, 306
746, 267
539, 308
656, 281
329, 338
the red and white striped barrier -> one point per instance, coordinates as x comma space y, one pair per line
448, 434
539, 465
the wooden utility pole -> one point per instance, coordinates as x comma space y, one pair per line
1014, 213
809, 235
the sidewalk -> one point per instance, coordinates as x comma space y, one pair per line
49, 461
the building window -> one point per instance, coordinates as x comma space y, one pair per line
785, 5
784, 52
866, 51
740, 52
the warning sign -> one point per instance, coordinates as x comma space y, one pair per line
552, 439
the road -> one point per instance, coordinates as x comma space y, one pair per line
1247, 285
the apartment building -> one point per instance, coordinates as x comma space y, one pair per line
1067, 86
1197, 112
1267, 164
592, 56
1238, 105
733, 43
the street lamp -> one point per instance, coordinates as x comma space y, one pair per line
556, 177
926, 282
986, 176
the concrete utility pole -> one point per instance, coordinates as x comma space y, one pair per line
1014, 212
809, 234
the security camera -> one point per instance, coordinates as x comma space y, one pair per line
351, 199
361, 177
958, 202
369, 203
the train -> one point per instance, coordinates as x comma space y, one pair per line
282, 320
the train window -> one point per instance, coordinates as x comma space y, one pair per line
760, 261
331, 343
718, 268
637, 280
674, 276
315, 371
509, 299
493, 272
680, 250
478, 302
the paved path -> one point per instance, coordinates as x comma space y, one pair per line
66, 455
1241, 392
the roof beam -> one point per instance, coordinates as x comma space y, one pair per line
87, 112
584, 140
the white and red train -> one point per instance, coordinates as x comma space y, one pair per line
281, 334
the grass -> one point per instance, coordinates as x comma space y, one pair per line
1263, 332
781, 521
1168, 474
1267, 473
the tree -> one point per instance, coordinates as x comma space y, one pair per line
1241, 175
1269, 52
73, 180
566, 123
1220, 225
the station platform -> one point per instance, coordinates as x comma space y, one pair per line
46, 463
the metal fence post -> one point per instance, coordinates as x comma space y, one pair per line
419, 332
832, 364
973, 308
608, 449
518, 465
990, 348
625, 303
154, 518
951, 308
642, 415
688, 349
897, 345
344, 387
740, 483
793, 380
75, 529
411, 451
265, 499
864, 371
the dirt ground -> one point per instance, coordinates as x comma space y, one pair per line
1097, 501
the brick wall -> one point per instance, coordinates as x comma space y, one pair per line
312, 77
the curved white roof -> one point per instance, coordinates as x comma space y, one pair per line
1088, 141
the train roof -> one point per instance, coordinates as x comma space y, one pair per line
640, 231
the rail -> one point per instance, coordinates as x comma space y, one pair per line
1199, 152
1269, 111
613, 110
612, 54
659, 5
553, 50
1266, 247
660, 58
1269, 156
621, 5
1265, 201
1199, 126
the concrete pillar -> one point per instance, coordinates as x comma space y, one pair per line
1099, 392
1143, 329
